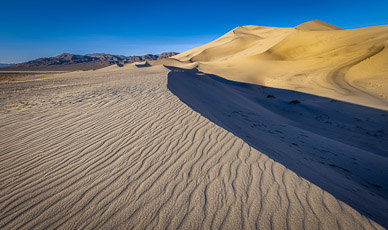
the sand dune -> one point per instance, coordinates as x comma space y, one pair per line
242, 41
317, 25
314, 57
114, 148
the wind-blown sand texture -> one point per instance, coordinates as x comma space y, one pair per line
153, 146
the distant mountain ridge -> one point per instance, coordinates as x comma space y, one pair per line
67, 61
102, 58
5, 64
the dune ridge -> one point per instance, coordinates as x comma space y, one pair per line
114, 148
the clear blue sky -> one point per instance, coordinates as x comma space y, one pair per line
40, 28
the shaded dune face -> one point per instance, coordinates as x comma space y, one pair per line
114, 148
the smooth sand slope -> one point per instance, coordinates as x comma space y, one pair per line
115, 148
314, 57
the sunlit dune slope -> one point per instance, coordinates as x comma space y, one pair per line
314, 57
240, 42
316, 25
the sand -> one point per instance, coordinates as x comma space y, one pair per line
114, 148
168, 144
314, 57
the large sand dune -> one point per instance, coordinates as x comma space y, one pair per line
114, 148
314, 57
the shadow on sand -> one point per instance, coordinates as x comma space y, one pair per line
338, 146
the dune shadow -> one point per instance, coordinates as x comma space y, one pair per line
146, 64
340, 147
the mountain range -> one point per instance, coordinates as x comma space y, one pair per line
70, 62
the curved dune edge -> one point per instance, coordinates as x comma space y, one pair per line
115, 148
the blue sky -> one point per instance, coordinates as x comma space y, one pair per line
33, 29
